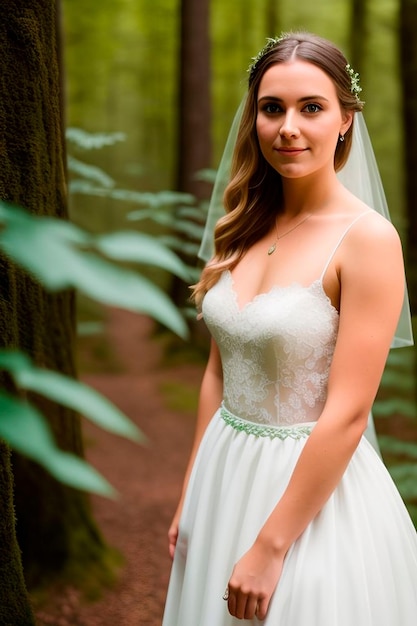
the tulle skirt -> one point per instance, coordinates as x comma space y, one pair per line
354, 565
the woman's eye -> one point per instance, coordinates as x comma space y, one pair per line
312, 108
271, 108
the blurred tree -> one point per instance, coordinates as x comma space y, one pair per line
273, 21
358, 33
194, 140
408, 62
54, 525
194, 100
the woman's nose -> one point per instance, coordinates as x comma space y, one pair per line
289, 127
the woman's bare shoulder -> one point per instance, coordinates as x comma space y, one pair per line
374, 229
372, 247
368, 226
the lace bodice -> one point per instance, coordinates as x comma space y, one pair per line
276, 350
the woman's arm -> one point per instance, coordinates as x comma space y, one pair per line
211, 393
372, 288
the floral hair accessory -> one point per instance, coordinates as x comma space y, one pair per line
355, 87
271, 42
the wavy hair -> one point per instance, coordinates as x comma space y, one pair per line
254, 192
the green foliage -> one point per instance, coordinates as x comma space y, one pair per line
389, 406
68, 392
398, 386
397, 398
90, 172
26, 431
125, 195
397, 447
405, 475
60, 255
178, 213
172, 211
89, 141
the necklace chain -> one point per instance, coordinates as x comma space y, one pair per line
272, 248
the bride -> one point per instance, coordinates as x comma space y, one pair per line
288, 515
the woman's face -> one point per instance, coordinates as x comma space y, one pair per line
299, 119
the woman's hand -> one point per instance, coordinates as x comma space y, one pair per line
173, 532
253, 581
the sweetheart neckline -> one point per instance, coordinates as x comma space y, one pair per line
263, 294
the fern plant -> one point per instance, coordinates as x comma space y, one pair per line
397, 402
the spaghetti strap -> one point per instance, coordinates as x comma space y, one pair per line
345, 232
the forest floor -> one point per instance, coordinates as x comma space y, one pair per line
161, 400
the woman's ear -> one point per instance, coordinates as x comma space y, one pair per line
347, 120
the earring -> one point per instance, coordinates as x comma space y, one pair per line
341, 138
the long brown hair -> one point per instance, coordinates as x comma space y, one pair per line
254, 193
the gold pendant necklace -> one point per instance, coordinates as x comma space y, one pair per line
272, 248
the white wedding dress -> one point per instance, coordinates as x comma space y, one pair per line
356, 563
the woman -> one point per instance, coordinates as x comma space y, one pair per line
287, 511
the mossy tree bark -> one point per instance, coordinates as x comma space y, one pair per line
55, 529
14, 604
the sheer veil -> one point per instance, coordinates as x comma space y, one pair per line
360, 175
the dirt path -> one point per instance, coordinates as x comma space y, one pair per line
148, 480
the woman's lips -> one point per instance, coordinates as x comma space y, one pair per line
291, 151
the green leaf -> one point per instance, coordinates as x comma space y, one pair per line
195, 274
160, 217
75, 472
25, 429
81, 398
207, 175
386, 408
398, 447
52, 251
405, 477
399, 380
192, 213
186, 247
14, 360
192, 230
68, 392
141, 248
403, 358
144, 198
89, 141
91, 172
189, 312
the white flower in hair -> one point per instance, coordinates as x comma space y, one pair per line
271, 42
355, 87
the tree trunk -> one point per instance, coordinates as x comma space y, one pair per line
194, 141
194, 135
408, 63
273, 21
55, 528
14, 604
358, 34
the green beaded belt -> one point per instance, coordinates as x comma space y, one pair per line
262, 430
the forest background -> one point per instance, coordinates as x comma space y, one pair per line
169, 76
150, 90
